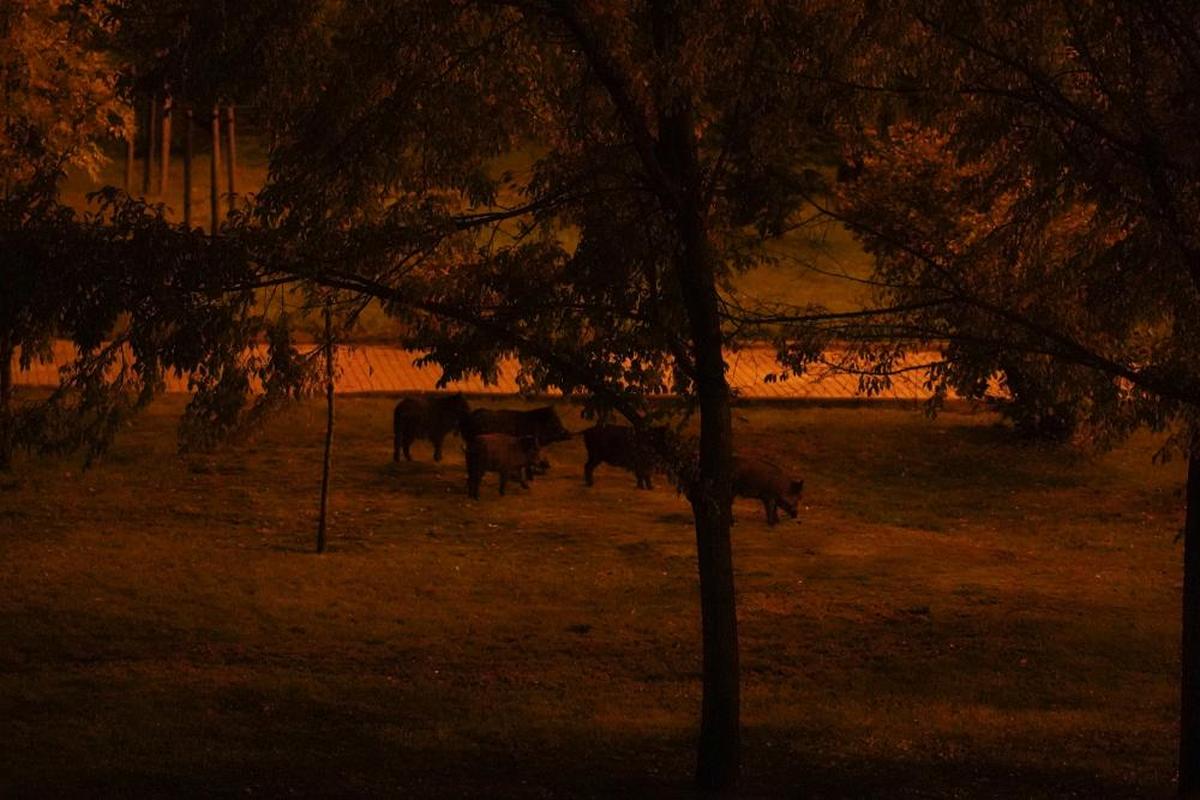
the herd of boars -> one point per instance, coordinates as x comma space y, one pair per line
509, 443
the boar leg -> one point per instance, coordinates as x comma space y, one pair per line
407, 443
437, 445
772, 512
522, 474
589, 470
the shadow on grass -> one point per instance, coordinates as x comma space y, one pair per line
354, 763
963, 777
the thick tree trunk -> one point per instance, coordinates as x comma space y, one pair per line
327, 463
7, 351
164, 175
214, 172
231, 160
189, 127
1189, 717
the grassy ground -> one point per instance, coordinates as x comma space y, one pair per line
953, 616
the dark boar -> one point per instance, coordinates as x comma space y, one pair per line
541, 423
511, 456
620, 446
426, 416
758, 478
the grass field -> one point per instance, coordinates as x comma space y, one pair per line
953, 616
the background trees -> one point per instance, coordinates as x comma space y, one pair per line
59, 104
1032, 207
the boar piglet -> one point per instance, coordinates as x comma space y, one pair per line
760, 479
510, 456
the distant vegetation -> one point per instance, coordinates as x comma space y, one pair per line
820, 265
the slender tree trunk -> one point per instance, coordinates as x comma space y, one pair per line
164, 175
673, 171
1189, 733
130, 154
719, 752
231, 160
7, 351
215, 171
327, 463
151, 135
6, 338
189, 127
718, 758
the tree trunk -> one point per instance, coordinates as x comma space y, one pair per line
231, 160
718, 754
189, 126
7, 351
718, 757
151, 135
328, 428
214, 171
1189, 716
164, 175
130, 154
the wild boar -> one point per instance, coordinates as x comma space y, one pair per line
759, 478
620, 446
510, 456
426, 416
541, 423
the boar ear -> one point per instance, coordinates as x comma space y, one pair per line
797, 486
